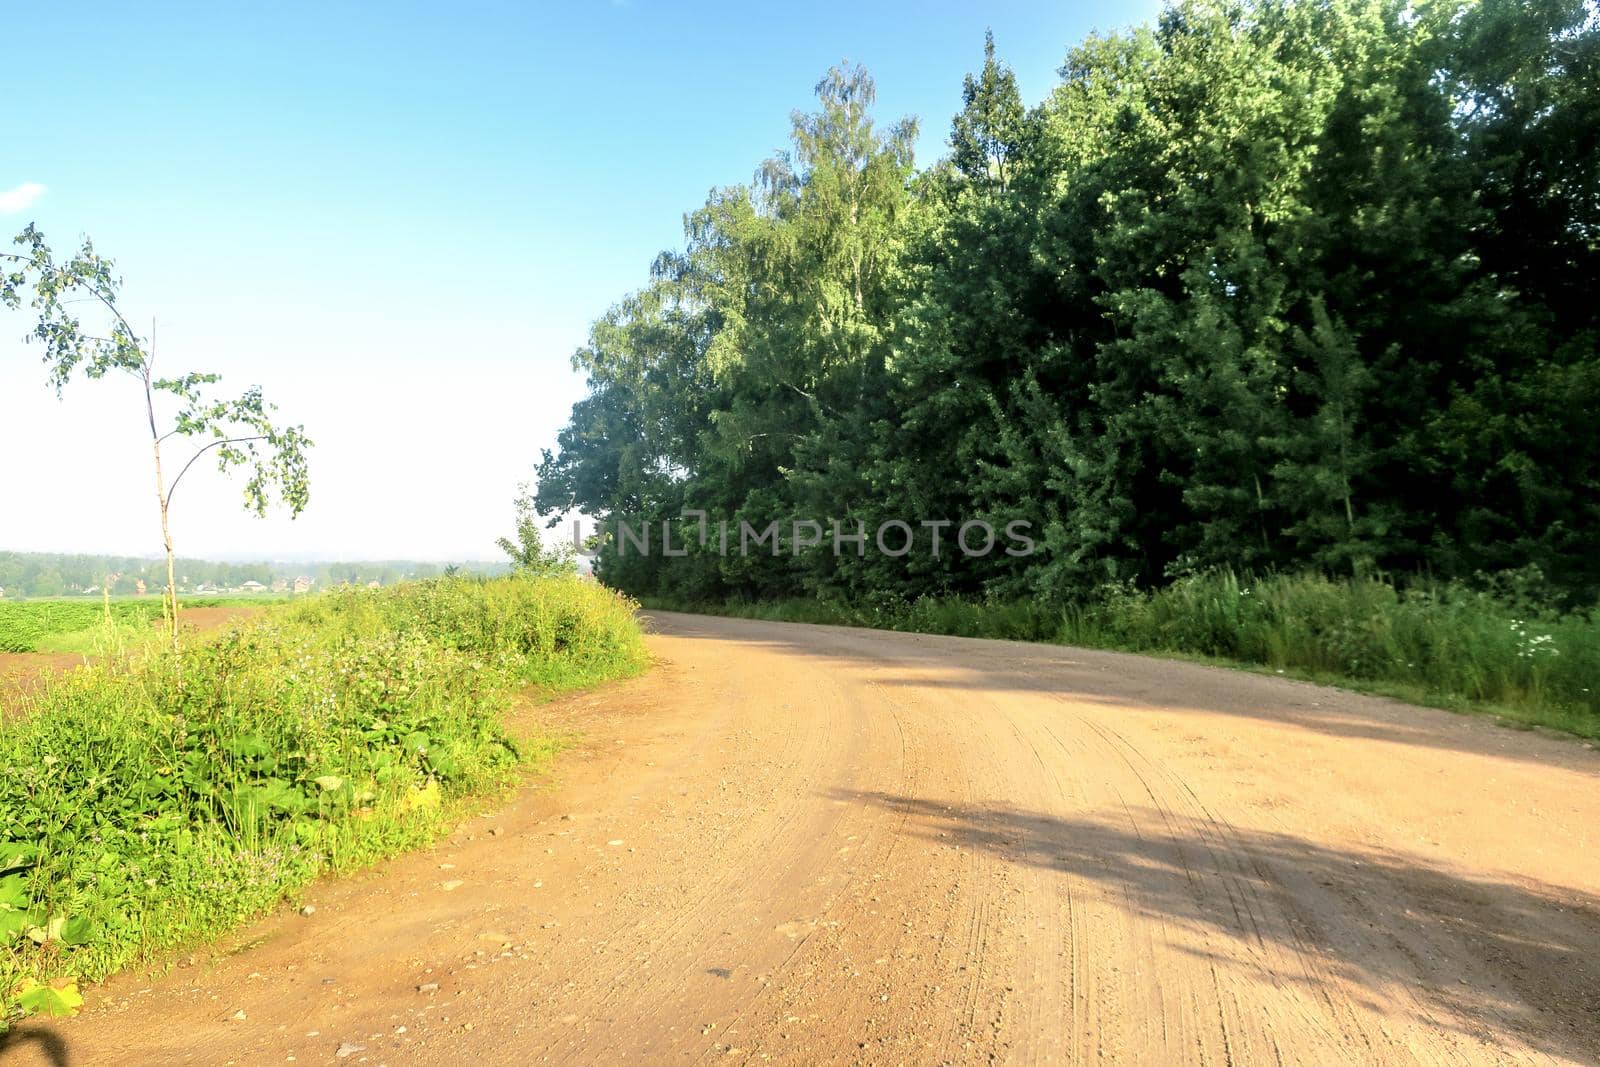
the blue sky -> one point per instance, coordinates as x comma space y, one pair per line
400, 219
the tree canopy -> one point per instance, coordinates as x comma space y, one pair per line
1267, 284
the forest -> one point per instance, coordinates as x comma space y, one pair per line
1263, 287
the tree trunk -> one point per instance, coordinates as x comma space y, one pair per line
1261, 515
171, 598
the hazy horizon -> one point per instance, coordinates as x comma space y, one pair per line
297, 558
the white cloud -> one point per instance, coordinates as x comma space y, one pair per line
20, 198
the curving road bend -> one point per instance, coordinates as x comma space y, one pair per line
821, 845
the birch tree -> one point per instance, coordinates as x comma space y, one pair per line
188, 420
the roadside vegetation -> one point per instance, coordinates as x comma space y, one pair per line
148, 803
1450, 645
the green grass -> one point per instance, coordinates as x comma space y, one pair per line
1446, 646
144, 808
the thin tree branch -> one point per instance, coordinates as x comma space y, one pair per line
173, 486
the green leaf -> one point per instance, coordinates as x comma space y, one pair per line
14, 858
12, 924
57, 997
78, 930
14, 891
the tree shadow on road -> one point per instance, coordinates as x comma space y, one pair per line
52, 1048
1480, 956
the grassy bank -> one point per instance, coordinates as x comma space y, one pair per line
1446, 646
144, 807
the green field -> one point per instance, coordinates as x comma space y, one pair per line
82, 626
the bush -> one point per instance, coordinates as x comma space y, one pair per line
145, 805
1451, 644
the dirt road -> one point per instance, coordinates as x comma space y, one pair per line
810, 844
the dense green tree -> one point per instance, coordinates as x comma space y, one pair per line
1267, 284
